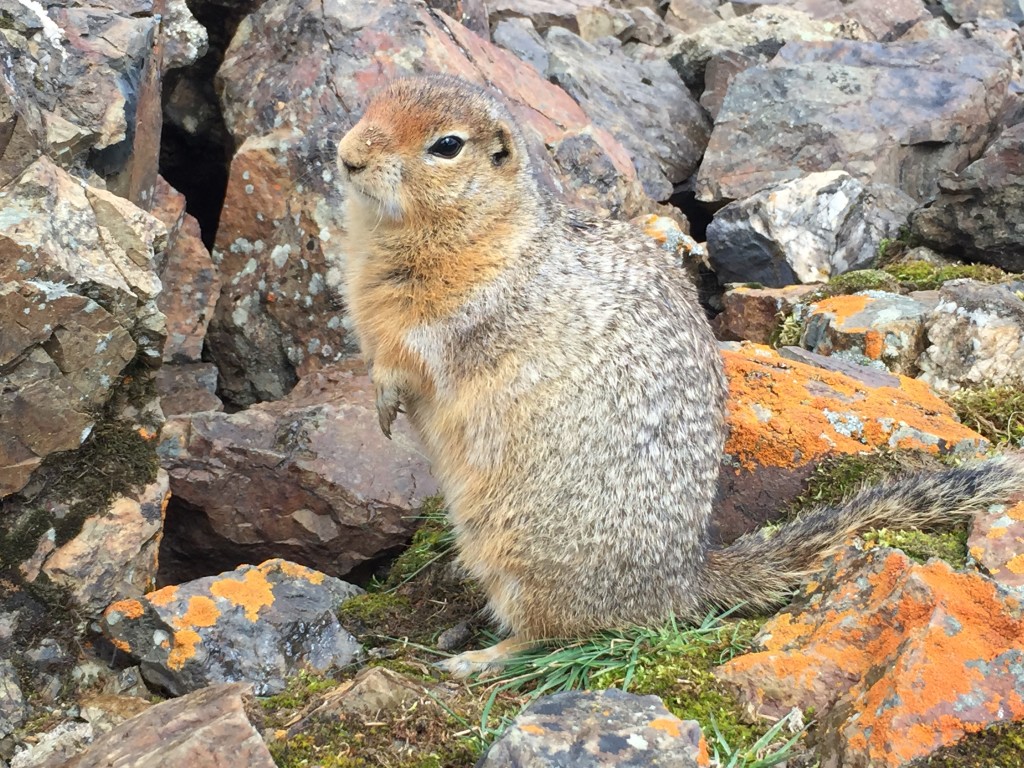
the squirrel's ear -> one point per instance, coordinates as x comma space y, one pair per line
503, 145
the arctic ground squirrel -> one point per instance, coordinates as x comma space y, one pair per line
566, 386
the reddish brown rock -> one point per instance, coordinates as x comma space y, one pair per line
188, 388
897, 659
278, 317
785, 416
755, 314
310, 478
996, 543
206, 728
191, 283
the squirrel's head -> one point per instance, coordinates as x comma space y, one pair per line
434, 151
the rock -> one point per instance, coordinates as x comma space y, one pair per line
189, 278
691, 15
899, 114
115, 553
962, 11
807, 230
978, 212
257, 624
185, 38
648, 28
587, 729
56, 747
189, 388
279, 317
544, 14
518, 37
645, 106
104, 712
870, 327
12, 701
876, 21
784, 417
372, 690
896, 659
205, 728
601, 21
754, 313
975, 337
758, 35
77, 305
310, 477
996, 544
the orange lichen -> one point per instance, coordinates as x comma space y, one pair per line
252, 593
294, 570
202, 612
185, 642
702, 757
1016, 564
146, 434
121, 645
996, 532
874, 344
669, 725
130, 609
801, 400
536, 730
1016, 512
163, 596
843, 308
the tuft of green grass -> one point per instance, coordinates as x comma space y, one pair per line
433, 540
997, 413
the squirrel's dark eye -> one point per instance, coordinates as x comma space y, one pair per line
446, 146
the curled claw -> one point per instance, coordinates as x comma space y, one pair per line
388, 408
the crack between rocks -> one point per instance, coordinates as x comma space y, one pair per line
329, 39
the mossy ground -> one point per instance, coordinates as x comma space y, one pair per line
1001, 746
924, 276
997, 413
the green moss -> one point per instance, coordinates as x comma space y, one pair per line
995, 412
374, 608
1001, 746
788, 332
920, 546
858, 280
432, 541
924, 276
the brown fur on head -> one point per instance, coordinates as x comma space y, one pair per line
398, 174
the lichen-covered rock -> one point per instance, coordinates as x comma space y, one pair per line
309, 477
759, 34
785, 416
962, 11
279, 316
975, 337
191, 284
599, 729
807, 230
646, 106
899, 114
188, 388
12, 701
258, 624
751, 313
543, 14
868, 18
206, 728
77, 304
996, 543
870, 327
979, 212
113, 555
897, 659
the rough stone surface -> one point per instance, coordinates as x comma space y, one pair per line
962, 11
784, 417
691, 15
897, 659
56, 747
755, 314
279, 317
77, 291
883, 22
758, 35
645, 106
12, 700
979, 212
870, 327
996, 543
257, 624
191, 284
210, 727
115, 553
518, 37
975, 337
543, 14
310, 478
897, 114
807, 230
189, 388
599, 729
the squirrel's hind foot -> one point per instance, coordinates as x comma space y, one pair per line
485, 662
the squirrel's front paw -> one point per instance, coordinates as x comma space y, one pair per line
388, 407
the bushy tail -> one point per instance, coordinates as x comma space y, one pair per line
759, 570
